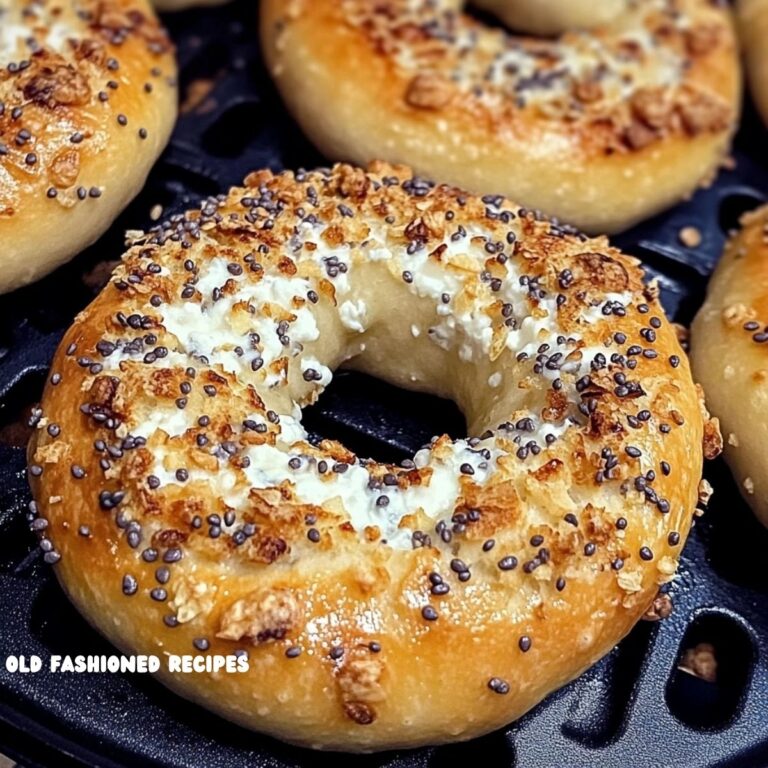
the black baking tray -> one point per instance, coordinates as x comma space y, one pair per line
636, 707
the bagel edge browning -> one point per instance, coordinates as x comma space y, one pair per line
728, 356
375, 669
602, 165
84, 118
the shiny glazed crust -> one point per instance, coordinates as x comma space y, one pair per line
87, 102
730, 357
753, 30
601, 129
381, 606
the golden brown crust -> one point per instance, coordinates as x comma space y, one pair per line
729, 355
185, 509
87, 102
752, 18
600, 139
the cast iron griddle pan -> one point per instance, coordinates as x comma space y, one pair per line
634, 708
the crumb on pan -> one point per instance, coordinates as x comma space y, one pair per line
700, 661
690, 237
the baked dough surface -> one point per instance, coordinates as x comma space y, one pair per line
87, 102
729, 355
381, 606
601, 128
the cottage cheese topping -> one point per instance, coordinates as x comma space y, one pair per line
264, 328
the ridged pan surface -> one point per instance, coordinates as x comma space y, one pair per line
636, 707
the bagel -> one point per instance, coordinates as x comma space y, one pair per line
601, 129
381, 606
752, 18
87, 102
728, 356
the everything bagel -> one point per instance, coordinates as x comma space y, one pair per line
728, 339
600, 128
381, 606
87, 102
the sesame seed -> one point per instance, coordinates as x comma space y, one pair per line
173, 555
130, 585
149, 555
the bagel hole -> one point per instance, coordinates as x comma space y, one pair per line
712, 672
379, 421
734, 205
234, 130
488, 19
